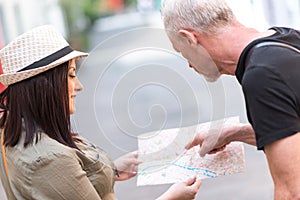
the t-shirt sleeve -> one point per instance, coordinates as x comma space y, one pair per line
271, 105
61, 177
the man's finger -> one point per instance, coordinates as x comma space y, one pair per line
204, 149
196, 141
217, 150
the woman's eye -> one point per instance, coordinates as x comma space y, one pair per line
72, 75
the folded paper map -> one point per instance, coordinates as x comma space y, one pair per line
165, 159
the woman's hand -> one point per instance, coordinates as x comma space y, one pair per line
127, 166
182, 191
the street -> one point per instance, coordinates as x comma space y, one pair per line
134, 82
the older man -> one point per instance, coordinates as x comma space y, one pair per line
267, 65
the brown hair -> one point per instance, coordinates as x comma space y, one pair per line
41, 103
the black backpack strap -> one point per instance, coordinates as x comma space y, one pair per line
270, 43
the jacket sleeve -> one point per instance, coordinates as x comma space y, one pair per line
61, 177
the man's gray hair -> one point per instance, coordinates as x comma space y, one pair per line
206, 16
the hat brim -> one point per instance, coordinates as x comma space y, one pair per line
11, 78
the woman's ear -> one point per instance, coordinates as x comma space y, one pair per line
189, 35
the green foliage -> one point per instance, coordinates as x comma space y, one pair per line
130, 3
74, 13
91, 9
80, 15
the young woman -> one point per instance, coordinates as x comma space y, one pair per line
41, 158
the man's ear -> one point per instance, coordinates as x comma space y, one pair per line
189, 35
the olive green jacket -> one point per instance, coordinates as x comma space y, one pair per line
51, 170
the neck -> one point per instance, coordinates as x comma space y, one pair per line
226, 46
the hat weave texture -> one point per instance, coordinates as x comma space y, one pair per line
32, 47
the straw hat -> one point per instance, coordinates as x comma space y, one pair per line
34, 52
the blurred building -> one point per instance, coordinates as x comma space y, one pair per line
1, 36
145, 6
282, 13
264, 14
18, 16
2, 87
116, 5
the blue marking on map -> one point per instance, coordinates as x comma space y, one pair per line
197, 170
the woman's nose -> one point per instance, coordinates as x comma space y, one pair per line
79, 86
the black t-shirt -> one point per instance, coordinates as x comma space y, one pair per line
270, 78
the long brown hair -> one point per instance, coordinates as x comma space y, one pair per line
38, 104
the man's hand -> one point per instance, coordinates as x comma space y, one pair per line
215, 139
